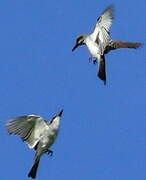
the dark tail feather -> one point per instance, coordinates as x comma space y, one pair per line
102, 69
33, 170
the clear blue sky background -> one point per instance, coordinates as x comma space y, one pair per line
103, 131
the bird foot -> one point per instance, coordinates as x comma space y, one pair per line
49, 152
94, 61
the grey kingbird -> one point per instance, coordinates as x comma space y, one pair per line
39, 134
99, 42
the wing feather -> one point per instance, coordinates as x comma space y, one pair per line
29, 128
101, 31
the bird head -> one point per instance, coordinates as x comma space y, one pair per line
60, 113
56, 117
79, 41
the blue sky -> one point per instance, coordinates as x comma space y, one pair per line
103, 131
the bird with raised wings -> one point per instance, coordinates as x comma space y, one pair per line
99, 42
38, 133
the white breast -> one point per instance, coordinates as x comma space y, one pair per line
48, 138
51, 133
92, 47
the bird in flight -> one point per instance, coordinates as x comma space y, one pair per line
39, 134
99, 42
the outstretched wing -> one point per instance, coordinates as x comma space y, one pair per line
30, 128
112, 45
101, 34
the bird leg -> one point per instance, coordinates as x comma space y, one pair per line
49, 152
90, 59
93, 59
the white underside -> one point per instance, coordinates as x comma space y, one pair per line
93, 47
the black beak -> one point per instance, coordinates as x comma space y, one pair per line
75, 47
60, 114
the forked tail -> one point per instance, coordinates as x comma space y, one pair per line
102, 69
33, 170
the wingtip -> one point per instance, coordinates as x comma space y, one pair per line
110, 9
139, 45
111, 6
